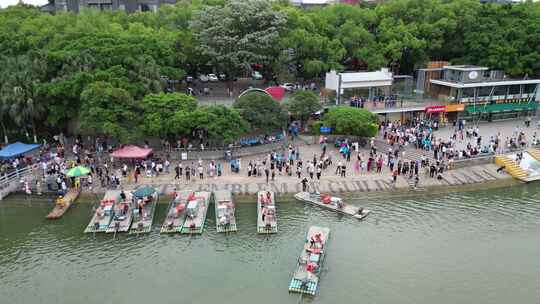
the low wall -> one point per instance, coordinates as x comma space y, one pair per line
467, 162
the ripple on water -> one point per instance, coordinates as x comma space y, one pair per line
406, 244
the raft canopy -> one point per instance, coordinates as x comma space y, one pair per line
17, 149
133, 152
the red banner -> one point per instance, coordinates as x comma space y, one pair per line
435, 109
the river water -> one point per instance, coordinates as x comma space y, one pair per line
474, 247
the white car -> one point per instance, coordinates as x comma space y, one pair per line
288, 86
203, 78
212, 77
256, 75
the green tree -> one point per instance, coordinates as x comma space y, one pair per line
303, 104
20, 81
238, 34
108, 110
351, 121
261, 111
159, 109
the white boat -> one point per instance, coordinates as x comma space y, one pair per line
332, 203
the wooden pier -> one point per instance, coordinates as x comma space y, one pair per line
62, 204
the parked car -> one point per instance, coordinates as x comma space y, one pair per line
222, 76
203, 78
212, 77
256, 75
288, 86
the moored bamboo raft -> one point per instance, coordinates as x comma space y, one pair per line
196, 211
176, 212
332, 203
104, 212
266, 213
306, 277
142, 223
225, 211
123, 216
62, 204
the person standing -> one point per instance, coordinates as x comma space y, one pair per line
319, 170
201, 172
177, 172
304, 184
266, 173
188, 174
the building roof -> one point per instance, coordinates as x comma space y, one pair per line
465, 68
461, 85
366, 76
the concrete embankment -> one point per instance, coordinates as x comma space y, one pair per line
366, 185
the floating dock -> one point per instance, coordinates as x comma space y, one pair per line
266, 213
62, 204
142, 223
306, 277
176, 213
104, 213
341, 207
225, 211
196, 211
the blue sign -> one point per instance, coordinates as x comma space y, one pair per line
325, 130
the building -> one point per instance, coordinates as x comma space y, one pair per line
355, 80
129, 6
474, 92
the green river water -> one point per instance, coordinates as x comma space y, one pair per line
474, 247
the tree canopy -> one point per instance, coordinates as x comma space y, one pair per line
303, 104
261, 111
49, 61
351, 121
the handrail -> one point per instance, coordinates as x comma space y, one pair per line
6, 179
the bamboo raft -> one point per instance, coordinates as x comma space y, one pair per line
334, 205
62, 204
225, 211
306, 277
269, 224
121, 222
142, 223
195, 224
100, 222
176, 216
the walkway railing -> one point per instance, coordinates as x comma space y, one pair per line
9, 181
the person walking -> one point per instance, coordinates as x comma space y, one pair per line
267, 173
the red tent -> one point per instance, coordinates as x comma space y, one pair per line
132, 151
276, 92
